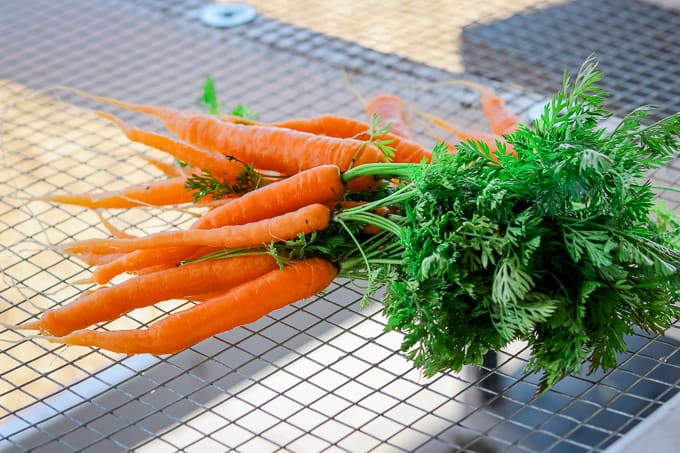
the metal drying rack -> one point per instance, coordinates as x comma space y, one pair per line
320, 375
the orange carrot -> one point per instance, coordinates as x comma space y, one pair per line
501, 120
108, 303
305, 220
266, 147
115, 232
239, 306
169, 170
317, 185
222, 166
98, 259
157, 193
489, 139
391, 109
405, 150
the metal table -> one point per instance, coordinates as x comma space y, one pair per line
320, 375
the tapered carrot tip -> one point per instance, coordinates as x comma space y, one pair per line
30, 325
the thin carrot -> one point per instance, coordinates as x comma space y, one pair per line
328, 124
157, 193
239, 306
224, 166
169, 170
305, 220
321, 184
392, 110
316, 185
108, 303
501, 119
115, 232
405, 150
98, 259
489, 139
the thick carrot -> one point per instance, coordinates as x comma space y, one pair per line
157, 193
305, 220
239, 306
501, 119
108, 303
223, 166
322, 184
267, 147
392, 110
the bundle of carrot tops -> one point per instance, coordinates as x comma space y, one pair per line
546, 232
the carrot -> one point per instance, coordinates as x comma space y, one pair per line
108, 303
138, 260
489, 139
266, 147
169, 170
115, 232
316, 185
157, 193
405, 150
322, 184
501, 120
279, 228
391, 109
241, 305
223, 166
98, 259
328, 124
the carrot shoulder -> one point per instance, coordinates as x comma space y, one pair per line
239, 306
108, 303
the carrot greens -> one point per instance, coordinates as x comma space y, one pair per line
556, 246
206, 184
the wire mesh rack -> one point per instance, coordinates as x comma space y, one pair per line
319, 375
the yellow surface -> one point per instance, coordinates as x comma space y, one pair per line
400, 27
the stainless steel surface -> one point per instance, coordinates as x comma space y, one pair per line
321, 374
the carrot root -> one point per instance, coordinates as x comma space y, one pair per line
239, 306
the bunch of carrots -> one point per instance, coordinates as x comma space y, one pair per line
290, 206
279, 182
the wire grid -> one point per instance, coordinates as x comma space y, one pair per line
318, 375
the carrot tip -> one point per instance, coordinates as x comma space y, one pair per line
30, 325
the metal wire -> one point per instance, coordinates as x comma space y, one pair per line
318, 375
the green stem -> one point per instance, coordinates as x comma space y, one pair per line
400, 169
375, 219
667, 188
396, 197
